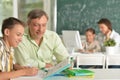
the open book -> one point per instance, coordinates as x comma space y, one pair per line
55, 70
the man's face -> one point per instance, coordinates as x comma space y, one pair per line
103, 28
37, 27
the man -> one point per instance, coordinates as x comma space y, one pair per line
39, 45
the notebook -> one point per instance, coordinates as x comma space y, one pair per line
55, 70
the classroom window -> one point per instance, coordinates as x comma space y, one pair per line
20, 9
27, 5
6, 7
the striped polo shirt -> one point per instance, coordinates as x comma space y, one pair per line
6, 57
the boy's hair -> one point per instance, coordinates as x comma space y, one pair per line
106, 22
90, 30
10, 22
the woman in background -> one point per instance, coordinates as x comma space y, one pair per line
90, 46
106, 29
12, 30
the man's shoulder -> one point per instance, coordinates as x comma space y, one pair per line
25, 40
51, 36
49, 33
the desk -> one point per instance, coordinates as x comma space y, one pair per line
100, 74
99, 58
89, 59
112, 60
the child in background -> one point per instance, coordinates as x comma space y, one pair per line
90, 45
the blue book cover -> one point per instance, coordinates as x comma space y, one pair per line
57, 72
57, 69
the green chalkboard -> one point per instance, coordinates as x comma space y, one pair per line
81, 14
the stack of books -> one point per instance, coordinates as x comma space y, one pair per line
79, 73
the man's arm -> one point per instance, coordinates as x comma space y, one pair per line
60, 51
23, 58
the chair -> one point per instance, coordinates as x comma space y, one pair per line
91, 59
113, 59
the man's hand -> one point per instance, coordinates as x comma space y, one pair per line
48, 65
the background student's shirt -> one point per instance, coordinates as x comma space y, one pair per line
95, 46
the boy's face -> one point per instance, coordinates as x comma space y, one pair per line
14, 35
90, 36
